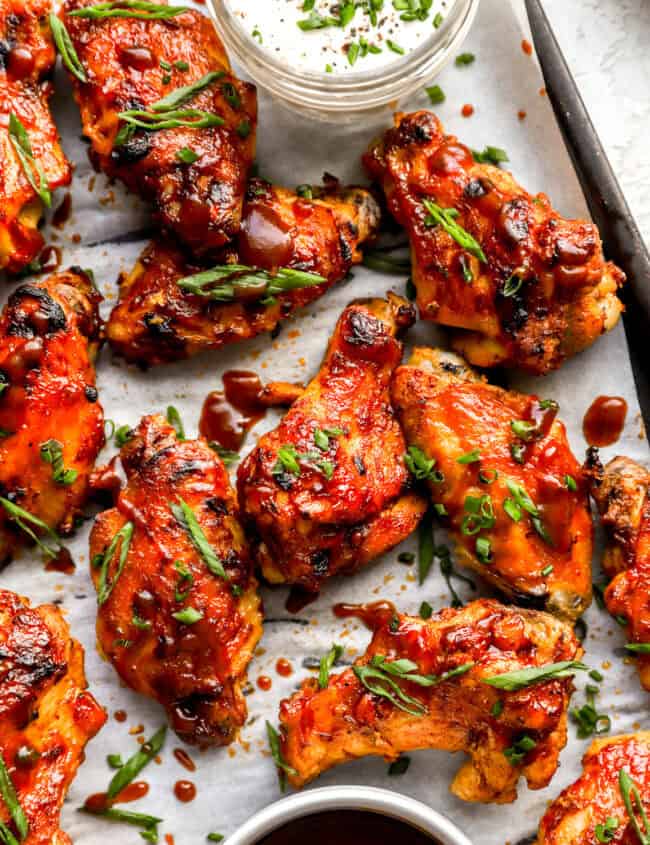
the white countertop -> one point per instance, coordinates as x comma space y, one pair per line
606, 43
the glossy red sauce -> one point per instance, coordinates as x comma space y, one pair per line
120, 716
228, 414
100, 801
299, 599
347, 827
169, 839
264, 240
283, 667
603, 423
50, 259
373, 615
107, 479
184, 759
527, 47
20, 62
185, 791
62, 214
139, 58
467, 110
63, 563
264, 682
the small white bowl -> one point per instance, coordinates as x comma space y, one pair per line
364, 798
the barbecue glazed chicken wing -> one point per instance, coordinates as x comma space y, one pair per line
327, 491
30, 167
622, 493
595, 801
499, 468
161, 71
506, 734
47, 717
179, 614
519, 284
51, 420
157, 320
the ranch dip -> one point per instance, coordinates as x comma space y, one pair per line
322, 36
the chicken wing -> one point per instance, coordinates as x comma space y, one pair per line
32, 164
178, 610
506, 734
51, 422
327, 491
519, 284
593, 808
622, 493
47, 717
140, 74
156, 320
501, 474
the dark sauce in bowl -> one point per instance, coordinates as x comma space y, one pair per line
347, 827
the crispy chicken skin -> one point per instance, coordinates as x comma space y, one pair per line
566, 294
595, 797
47, 714
195, 669
48, 339
200, 202
157, 321
308, 527
622, 493
321, 728
26, 59
448, 412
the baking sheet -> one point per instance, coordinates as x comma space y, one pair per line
235, 782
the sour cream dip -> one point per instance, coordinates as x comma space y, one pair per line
344, 37
340, 59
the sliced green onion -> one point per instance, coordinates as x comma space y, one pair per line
326, 664
134, 765
31, 168
186, 518
522, 678
66, 48
105, 586
445, 218
140, 9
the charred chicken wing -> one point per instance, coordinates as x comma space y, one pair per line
164, 114
423, 685
594, 808
32, 163
47, 717
179, 614
327, 491
520, 284
502, 476
157, 319
52, 424
622, 493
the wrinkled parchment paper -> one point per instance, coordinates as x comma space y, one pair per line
235, 782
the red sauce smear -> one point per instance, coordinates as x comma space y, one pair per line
229, 414
467, 110
100, 801
120, 715
63, 562
527, 47
373, 615
20, 62
264, 682
185, 791
50, 259
169, 839
298, 599
283, 667
264, 239
139, 58
184, 759
62, 214
603, 423
106, 480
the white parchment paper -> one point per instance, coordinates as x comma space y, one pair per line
235, 782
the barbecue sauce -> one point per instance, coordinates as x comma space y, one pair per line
230, 413
347, 827
374, 615
603, 423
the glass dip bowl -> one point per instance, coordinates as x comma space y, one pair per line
346, 96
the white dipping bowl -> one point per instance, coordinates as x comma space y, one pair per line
364, 798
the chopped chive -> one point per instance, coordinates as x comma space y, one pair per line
326, 664
187, 156
134, 765
435, 94
464, 59
186, 518
66, 48
188, 615
105, 586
